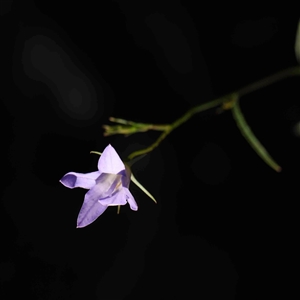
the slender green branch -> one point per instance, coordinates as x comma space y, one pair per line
180, 121
289, 72
130, 127
151, 147
227, 101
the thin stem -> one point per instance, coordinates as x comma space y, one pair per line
178, 122
289, 72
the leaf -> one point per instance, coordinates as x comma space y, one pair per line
133, 179
252, 139
297, 43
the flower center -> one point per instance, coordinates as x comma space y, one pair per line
117, 187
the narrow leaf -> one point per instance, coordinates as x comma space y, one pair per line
95, 152
297, 43
142, 188
251, 138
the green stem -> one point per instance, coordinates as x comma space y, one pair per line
289, 72
177, 123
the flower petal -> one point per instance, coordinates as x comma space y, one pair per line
85, 181
130, 199
90, 210
126, 176
110, 162
107, 184
119, 198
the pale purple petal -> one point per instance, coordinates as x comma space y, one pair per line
131, 201
85, 219
107, 184
85, 181
119, 198
126, 177
91, 209
110, 162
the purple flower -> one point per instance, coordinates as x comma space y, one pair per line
107, 187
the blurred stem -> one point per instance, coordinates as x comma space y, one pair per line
289, 72
227, 101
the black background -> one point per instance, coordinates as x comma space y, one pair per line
225, 225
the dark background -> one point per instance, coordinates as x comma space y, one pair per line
225, 226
